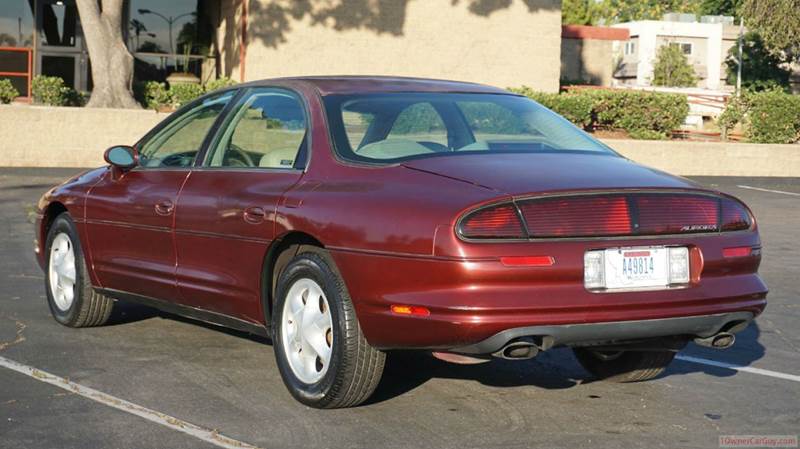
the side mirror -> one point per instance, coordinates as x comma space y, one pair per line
122, 156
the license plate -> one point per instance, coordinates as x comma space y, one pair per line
637, 267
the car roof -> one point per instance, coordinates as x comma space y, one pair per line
332, 85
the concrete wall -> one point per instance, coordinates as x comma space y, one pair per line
40, 136
588, 60
507, 43
712, 158
43, 136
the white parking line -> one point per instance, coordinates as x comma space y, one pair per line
768, 190
207, 435
746, 369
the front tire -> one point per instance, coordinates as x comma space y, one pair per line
72, 300
624, 366
321, 353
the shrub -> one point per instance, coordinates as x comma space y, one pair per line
771, 116
219, 83
734, 113
76, 98
774, 117
184, 93
7, 91
640, 111
644, 115
672, 68
156, 95
50, 91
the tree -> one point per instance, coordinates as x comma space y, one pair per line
7, 40
761, 69
720, 8
578, 12
112, 63
616, 11
778, 23
672, 69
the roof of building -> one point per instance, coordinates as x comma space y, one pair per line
345, 84
594, 32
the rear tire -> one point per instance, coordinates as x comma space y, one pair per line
72, 300
624, 366
314, 313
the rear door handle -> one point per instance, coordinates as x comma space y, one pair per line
164, 207
254, 215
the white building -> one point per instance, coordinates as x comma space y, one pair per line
705, 43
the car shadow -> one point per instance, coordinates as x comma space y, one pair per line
553, 370
408, 370
744, 352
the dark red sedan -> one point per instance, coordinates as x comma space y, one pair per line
344, 217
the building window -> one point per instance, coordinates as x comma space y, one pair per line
16, 23
169, 37
16, 42
686, 47
630, 48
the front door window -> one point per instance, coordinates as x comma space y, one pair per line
177, 144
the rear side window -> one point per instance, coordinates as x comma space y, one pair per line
267, 130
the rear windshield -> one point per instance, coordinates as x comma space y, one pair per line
391, 128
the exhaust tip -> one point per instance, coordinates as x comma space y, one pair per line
517, 350
722, 340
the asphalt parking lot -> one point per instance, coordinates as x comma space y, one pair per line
228, 382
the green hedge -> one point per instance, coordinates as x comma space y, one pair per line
644, 115
774, 118
155, 95
7, 91
771, 116
50, 91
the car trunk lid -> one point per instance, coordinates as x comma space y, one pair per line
528, 173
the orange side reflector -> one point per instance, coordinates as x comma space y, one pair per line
410, 310
738, 251
528, 261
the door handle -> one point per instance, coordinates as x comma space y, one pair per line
254, 215
165, 207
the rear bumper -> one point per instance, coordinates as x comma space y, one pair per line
610, 332
472, 300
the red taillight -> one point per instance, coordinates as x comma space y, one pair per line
738, 251
577, 216
493, 222
668, 214
608, 215
734, 216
